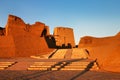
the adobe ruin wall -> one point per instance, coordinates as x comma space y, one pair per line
22, 40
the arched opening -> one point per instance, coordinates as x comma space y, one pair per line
69, 45
2, 31
44, 33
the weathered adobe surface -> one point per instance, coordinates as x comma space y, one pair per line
22, 40
64, 37
106, 50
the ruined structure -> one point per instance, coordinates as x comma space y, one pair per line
64, 37
106, 50
18, 39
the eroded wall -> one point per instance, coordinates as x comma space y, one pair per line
106, 50
64, 37
23, 40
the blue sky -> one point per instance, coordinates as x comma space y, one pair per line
98, 18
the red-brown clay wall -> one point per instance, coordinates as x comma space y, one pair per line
26, 46
106, 50
23, 40
7, 47
64, 36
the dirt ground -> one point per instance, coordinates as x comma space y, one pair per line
58, 75
17, 72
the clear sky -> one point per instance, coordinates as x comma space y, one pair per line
98, 18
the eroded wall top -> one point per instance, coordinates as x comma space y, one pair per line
64, 37
16, 26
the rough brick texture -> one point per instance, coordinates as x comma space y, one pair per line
22, 40
64, 37
106, 50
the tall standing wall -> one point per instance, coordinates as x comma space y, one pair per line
23, 40
64, 37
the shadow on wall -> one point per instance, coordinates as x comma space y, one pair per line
44, 33
2, 31
68, 46
51, 41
